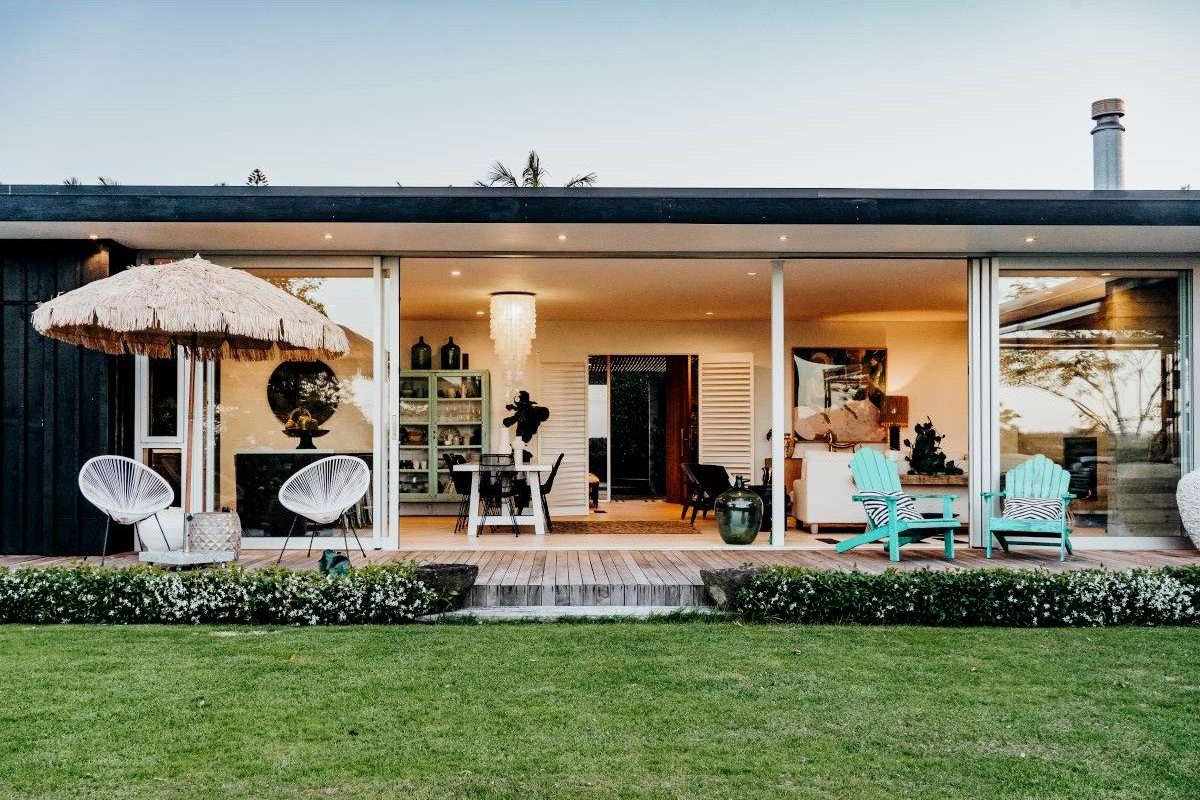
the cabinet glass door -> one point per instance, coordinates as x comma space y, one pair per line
459, 425
414, 435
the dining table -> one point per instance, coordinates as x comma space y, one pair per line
537, 515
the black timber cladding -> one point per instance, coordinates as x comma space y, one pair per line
595, 205
59, 404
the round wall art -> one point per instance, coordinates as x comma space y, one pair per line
303, 395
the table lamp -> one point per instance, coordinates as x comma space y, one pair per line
894, 415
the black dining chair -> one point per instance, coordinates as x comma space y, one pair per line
547, 487
501, 487
462, 487
711, 480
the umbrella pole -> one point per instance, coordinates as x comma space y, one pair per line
189, 444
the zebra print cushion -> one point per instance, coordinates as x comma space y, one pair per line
1033, 508
877, 508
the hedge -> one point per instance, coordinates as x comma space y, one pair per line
223, 595
998, 597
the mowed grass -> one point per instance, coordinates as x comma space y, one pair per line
701, 710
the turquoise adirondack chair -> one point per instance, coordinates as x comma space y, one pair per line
874, 473
1038, 478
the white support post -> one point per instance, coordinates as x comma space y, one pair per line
379, 460
779, 408
983, 335
392, 406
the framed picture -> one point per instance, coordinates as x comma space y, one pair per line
839, 390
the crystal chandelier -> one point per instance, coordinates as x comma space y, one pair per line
514, 326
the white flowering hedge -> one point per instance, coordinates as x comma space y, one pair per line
224, 595
1013, 598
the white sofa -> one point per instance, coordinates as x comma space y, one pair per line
823, 493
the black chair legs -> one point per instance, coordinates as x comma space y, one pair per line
291, 528
348, 528
164, 533
104, 546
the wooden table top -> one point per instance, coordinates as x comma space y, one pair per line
933, 480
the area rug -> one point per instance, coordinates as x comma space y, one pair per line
624, 526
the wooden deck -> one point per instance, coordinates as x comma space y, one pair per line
531, 577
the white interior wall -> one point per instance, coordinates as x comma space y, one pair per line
926, 360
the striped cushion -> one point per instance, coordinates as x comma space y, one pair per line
1037, 508
877, 508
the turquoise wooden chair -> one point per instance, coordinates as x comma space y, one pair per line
1038, 478
874, 473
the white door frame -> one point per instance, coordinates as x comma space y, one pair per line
984, 362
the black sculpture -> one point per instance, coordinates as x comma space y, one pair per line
528, 416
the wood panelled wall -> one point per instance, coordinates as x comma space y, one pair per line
60, 405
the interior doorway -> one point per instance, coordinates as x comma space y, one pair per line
641, 425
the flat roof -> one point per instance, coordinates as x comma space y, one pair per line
626, 206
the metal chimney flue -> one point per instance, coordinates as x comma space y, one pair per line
1108, 144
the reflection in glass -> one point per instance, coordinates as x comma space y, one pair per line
1090, 376
167, 463
255, 451
163, 403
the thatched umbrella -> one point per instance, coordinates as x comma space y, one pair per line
209, 311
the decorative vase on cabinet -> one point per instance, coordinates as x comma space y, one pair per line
739, 513
451, 355
422, 355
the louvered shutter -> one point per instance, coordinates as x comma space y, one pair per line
564, 392
727, 412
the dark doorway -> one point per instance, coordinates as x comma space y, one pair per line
648, 405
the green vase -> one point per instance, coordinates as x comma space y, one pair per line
739, 513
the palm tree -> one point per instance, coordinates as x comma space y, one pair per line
103, 180
532, 177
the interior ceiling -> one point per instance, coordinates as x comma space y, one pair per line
681, 289
616, 239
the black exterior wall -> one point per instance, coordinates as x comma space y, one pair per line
59, 404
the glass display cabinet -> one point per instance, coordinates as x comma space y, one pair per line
441, 411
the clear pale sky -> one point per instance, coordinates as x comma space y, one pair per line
969, 95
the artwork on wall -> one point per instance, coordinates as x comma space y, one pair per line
303, 395
839, 390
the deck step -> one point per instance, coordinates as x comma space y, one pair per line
549, 613
587, 595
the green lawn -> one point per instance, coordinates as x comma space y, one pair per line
598, 710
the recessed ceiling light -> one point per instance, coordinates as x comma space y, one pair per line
562, 237
751, 274
708, 313
328, 236
93, 236
1105, 274
479, 313
454, 273
783, 237
1030, 239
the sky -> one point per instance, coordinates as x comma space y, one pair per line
895, 94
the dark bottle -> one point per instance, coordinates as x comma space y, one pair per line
422, 355
451, 355
466, 360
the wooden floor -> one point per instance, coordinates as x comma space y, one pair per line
666, 578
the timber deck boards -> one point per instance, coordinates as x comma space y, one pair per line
540, 577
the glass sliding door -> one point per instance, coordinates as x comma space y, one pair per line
273, 418
1091, 375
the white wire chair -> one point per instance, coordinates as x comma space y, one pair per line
126, 491
321, 493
